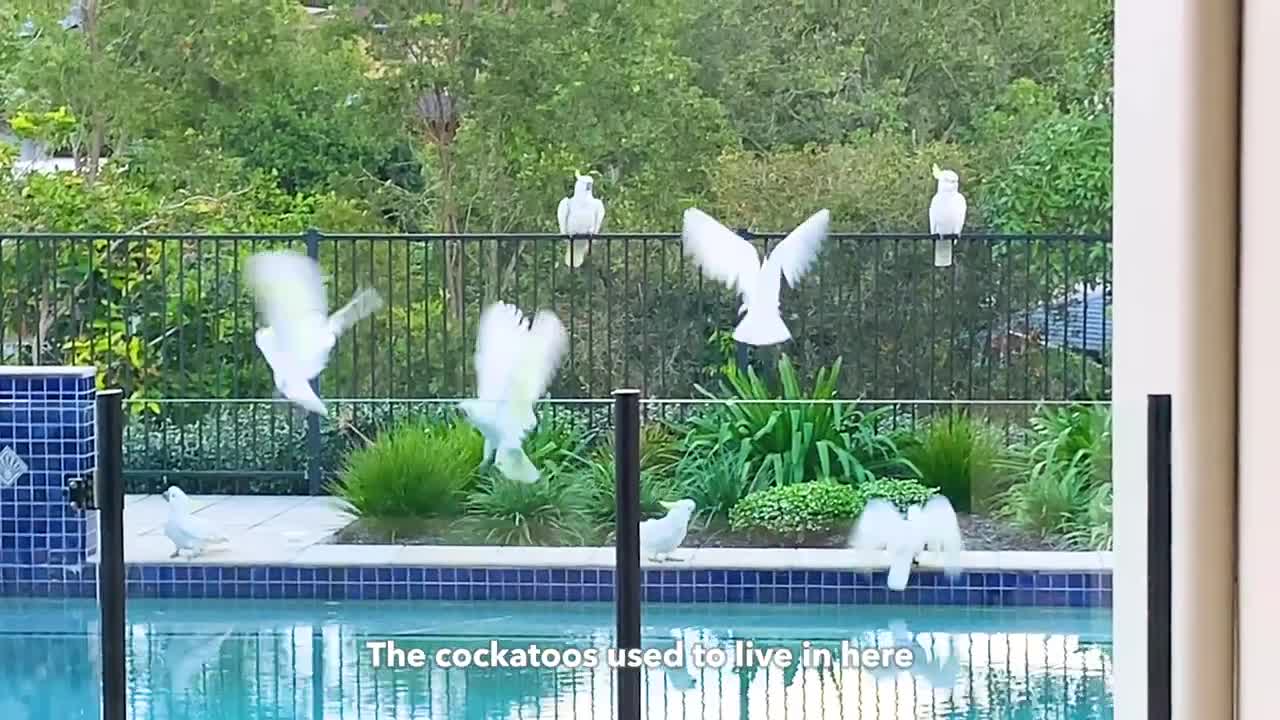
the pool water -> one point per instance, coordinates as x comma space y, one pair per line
244, 660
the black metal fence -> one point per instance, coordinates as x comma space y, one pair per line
168, 318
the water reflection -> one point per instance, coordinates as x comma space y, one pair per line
314, 662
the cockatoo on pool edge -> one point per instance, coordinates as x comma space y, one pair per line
724, 256
188, 532
659, 537
579, 215
300, 332
932, 526
946, 214
515, 363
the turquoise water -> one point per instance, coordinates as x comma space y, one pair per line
244, 660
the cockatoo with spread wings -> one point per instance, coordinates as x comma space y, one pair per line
946, 214
300, 332
932, 527
580, 215
726, 257
515, 363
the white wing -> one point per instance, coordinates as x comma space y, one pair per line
545, 346
197, 528
363, 304
598, 219
940, 528
562, 214
721, 253
879, 526
792, 258
501, 329
291, 296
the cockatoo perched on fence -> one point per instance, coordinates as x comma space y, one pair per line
726, 257
946, 214
580, 215
300, 332
188, 532
932, 526
515, 363
659, 537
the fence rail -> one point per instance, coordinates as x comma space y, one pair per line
1013, 317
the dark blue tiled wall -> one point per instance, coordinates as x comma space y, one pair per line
988, 589
46, 438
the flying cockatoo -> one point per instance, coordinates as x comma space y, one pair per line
580, 215
724, 256
946, 214
188, 532
515, 363
300, 332
659, 537
932, 527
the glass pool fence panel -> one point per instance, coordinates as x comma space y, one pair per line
50, 622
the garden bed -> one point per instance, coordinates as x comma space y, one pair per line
980, 533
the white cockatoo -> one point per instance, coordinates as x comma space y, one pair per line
581, 214
188, 532
299, 332
659, 537
946, 214
725, 257
515, 363
932, 527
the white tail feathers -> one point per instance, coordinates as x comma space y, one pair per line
761, 327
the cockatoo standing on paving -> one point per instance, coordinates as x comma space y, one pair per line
659, 537
932, 526
188, 532
515, 363
300, 332
724, 256
946, 214
580, 215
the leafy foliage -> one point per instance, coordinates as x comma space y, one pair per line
1064, 475
417, 470
797, 441
902, 492
812, 507
715, 480
957, 453
552, 511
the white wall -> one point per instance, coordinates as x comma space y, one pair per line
1174, 229
1259, 399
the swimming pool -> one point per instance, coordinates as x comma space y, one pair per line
285, 660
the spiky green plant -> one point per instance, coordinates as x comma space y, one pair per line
792, 442
551, 511
417, 470
958, 453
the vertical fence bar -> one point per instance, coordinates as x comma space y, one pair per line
626, 462
314, 487
1159, 558
109, 498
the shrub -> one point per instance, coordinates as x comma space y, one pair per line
902, 492
419, 469
1063, 474
812, 507
957, 454
716, 481
659, 454
795, 442
551, 511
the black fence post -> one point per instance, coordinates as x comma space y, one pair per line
314, 471
1159, 558
626, 468
109, 498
